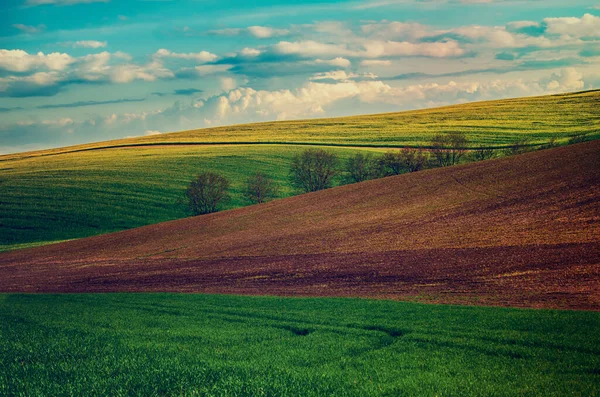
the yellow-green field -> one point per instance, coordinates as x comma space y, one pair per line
98, 188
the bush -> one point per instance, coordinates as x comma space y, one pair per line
360, 167
519, 146
483, 153
313, 170
448, 149
260, 188
206, 192
401, 161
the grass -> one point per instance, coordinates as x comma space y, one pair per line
169, 344
47, 199
92, 189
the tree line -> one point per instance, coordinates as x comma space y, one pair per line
317, 169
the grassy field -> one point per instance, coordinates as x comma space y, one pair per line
82, 194
86, 190
165, 344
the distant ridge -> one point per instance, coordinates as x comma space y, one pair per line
519, 231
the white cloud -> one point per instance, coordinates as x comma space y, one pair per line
89, 44
263, 32
21, 61
568, 79
250, 52
228, 83
370, 49
339, 62
376, 62
129, 72
202, 56
340, 75
586, 26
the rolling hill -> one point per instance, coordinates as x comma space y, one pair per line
519, 231
87, 190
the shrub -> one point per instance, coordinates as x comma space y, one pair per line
260, 188
313, 170
448, 149
360, 167
206, 192
483, 153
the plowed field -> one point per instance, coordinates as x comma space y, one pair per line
519, 231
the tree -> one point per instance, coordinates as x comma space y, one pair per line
260, 188
313, 170
360, 167
448, 149
414, 160
483, 153
519, 146
390, 163
206, 192
401, 161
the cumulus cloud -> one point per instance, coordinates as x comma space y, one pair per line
587, 26
315, 98
568, 79
21, 61
50, 73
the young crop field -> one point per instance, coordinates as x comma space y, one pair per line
170, 344
75, 195
92, 189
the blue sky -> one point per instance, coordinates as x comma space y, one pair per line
75, 71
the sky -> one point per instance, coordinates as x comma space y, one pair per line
78, 71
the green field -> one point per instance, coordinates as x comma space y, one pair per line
169, 344
92, 189
82, 194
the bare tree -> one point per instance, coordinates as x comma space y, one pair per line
483, 153
360, 167
313, 170
448, 149
260, 188
206, 192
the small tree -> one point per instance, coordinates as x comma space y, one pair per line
448, 149
206, 192
313, 170
483, 153
414, 160
360, 167
390, 163
260, 188
519, 146
401, 161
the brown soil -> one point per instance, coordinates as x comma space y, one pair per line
520, 231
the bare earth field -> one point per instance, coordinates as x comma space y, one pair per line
520, 231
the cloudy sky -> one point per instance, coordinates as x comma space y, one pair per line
74, 71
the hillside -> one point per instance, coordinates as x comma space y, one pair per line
521, 231
98, 188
